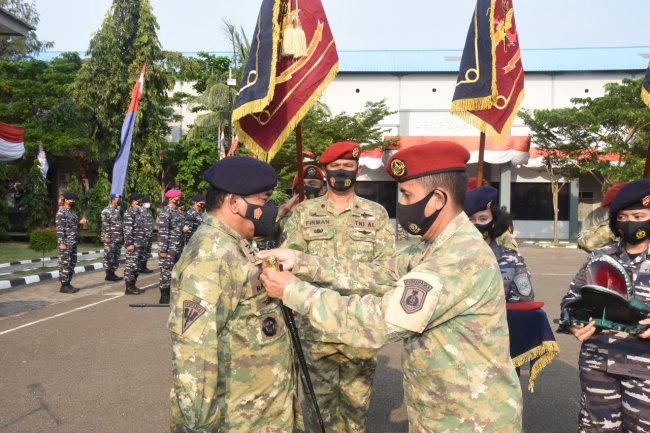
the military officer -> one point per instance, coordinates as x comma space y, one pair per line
340, 225
112, 237
232, 363
614, 373
482, 210
170, 240
600, 235
445, 302
194, 216
507, 238
134, 242
147, 224
67, 233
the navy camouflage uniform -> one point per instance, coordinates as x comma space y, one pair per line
67, 233
147, 224
111, 235
615, 366
133, 235
516, 278
193, 220
170, 241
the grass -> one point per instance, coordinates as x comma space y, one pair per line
15, 251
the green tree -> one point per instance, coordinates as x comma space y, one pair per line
36, 201
5, 226
19, 47
583, 139
98, 198
42, 241
126, 40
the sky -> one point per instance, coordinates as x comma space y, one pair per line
197, 25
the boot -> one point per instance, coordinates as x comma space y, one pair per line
74, 289
110, 276
131, 289
164, 296
145, 270
66, 288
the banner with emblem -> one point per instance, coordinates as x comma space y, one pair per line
490, 84
645, 87
292, 60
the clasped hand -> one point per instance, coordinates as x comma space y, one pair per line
274, 282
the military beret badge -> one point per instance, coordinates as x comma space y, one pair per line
398, 168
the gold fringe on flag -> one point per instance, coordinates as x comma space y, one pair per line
645, 96
544, 354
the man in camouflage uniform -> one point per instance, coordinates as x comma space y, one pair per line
147, 224
193, 217
600, 235
481, 208
67, 233
614, 365
112, 237
134, 242
170, 240
445, 301
232, 360
347, 227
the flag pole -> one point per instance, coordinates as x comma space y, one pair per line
301, 183
479, 168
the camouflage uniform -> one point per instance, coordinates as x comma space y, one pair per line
596, 237
516, 279
341, 375
133, 235
193, 219
147, 225
170, 241
67, 232
615, 366
508, 240
448, 308
111, 231
231, 353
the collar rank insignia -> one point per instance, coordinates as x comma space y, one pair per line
191, 312
415, 292
398, 167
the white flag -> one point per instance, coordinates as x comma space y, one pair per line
42, 160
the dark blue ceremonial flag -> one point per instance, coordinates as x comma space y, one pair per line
645, 88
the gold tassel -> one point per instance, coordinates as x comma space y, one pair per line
288, 34
294, 41
300, 40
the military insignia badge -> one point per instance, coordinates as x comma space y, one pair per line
191, 312
398, 168
413, 228
269, 326
523, 284
332, 181
355, 152
646, 200
347, 182
311, 171
257, 213
415, 292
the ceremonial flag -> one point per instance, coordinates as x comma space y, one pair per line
12, 142
222, 144
122, 159
234, 145
490, 83
42, 160
277, 90
645, 88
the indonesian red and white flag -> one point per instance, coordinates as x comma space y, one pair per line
12, 142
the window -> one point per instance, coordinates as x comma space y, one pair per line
534, 201
382, 192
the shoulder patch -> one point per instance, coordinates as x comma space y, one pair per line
414, 300
523, 284
192, 310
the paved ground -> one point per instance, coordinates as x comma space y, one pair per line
90, 363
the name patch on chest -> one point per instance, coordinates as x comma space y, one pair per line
364, 224
317, 222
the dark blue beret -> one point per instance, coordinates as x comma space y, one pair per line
135, 196
634, 195
146, 199
115, 195
241, 175
479, 199
198, 197
69, 196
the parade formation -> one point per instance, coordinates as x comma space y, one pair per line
278, 296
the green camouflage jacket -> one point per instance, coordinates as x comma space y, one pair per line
447, 305
232, 360
596, 237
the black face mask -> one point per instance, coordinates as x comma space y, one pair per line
486, 230
411, 217
72, 204
633, 232
263, 218
310, 192
341, 180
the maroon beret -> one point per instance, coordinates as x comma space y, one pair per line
611, 193
340, 150
425, 159
309, 172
